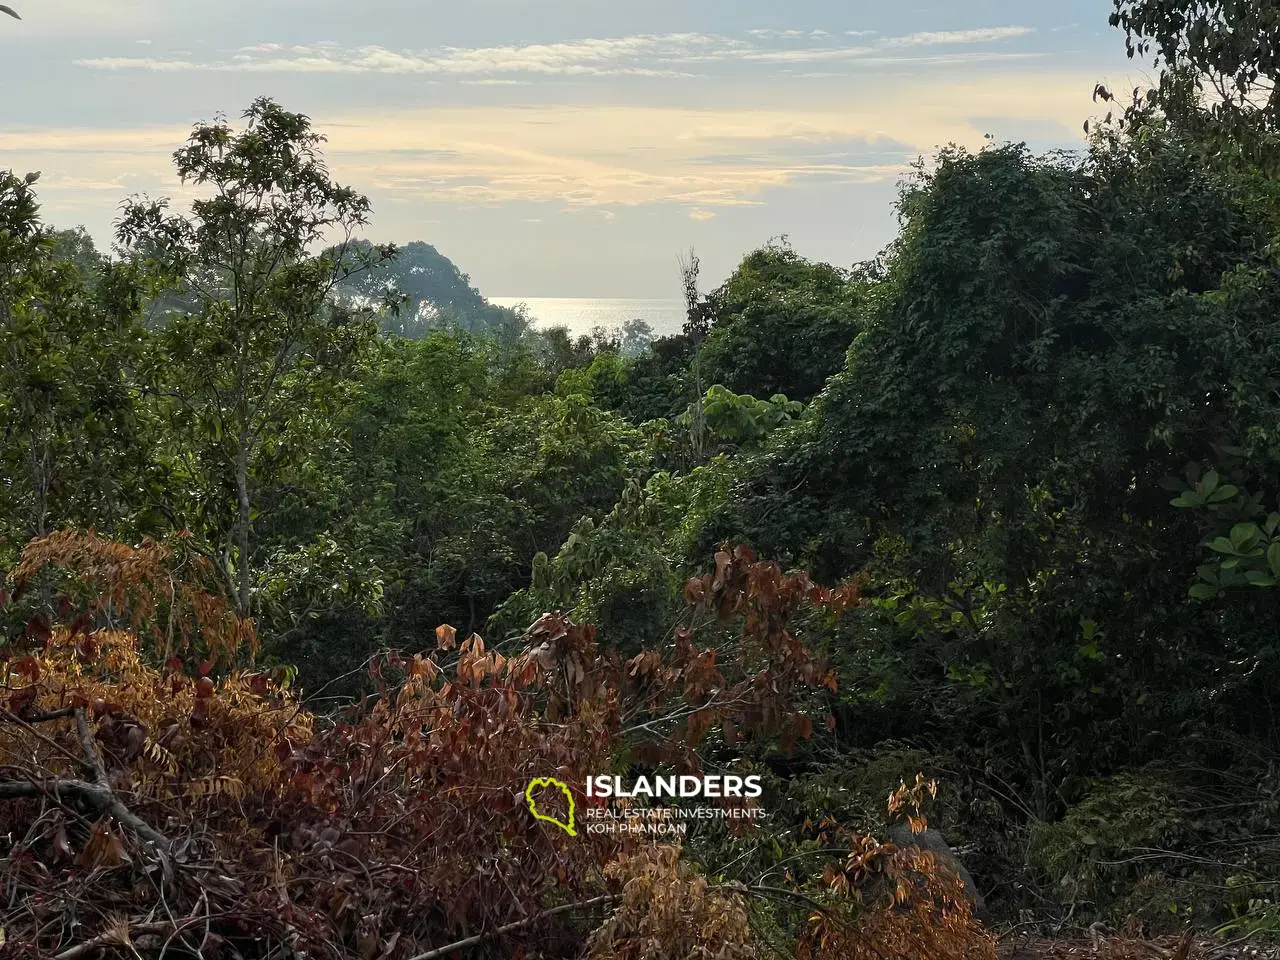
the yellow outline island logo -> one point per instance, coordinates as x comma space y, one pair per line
533, 804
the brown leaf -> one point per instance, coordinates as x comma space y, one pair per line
446, 637
104, 848
730, 732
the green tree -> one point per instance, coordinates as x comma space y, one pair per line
72, 447
245, 373
1052, 339
780, 324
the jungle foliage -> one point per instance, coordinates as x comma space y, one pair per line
250, 464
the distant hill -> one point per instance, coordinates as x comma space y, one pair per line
439, 294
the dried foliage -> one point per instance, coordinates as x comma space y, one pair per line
148, 805
166, 593
667, 912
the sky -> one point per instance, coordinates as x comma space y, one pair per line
561, 148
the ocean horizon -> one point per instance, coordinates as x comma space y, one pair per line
581, 314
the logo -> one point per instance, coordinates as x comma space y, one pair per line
626, 816
533, 804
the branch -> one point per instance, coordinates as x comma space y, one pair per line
514, 925
113, 938
90, 751
14, 718
41, 717
96, 796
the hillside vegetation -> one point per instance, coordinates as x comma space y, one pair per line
315, 559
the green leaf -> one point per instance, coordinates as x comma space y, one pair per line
1224, 492
1243, 535
1203, 591
1273, 558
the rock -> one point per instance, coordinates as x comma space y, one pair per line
931, 840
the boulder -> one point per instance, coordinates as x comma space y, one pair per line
931, 840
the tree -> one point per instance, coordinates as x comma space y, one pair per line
780, 324
634, 337
1228, 50
1054, 338
260, 352
70, 443
696, 326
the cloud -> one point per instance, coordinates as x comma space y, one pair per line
621, 56
151, 64
669, 56
697, 213
949, 37
609, 155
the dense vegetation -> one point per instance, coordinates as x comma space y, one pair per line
265, 485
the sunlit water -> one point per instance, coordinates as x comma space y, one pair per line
580, 315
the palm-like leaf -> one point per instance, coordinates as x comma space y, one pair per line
10, 11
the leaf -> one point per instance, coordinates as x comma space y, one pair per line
104, 848
446, 637
1273, 558
730, 730
1243, 535
1224, 492
1203, 591
1222, 545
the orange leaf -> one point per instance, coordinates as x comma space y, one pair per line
446, 637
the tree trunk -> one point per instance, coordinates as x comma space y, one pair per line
41, 465
243, 573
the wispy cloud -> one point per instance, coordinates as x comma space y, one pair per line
621, 56
604, 157
153, 64
672, 55
952, 37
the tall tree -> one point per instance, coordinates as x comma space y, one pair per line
246, 369
696, 326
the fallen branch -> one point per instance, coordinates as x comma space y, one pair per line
514, 925
122, 937
96, 796
59, 714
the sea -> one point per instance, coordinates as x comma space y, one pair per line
581, 314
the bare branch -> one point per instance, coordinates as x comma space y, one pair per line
513, 926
